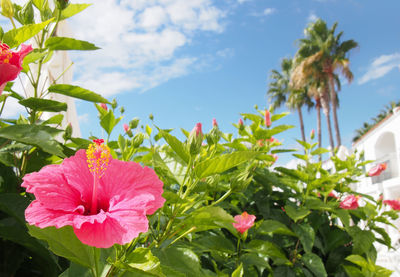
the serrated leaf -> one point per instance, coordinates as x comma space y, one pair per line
65, 43
73, 9
315, 264
45, 105
56, 119
269, 249
223, 162
306, 235
176, 145
37, 135
362, 239
15, 37
274, 227
296, 213
143, 260
77, 92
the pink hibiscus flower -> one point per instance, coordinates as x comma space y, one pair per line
350, 202
11, 63
377, 170
105, 200
395, 204
244, 222
267, 118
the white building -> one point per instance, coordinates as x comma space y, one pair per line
382, 144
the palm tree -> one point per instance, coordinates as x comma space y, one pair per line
323, 49
309, 74
280, 92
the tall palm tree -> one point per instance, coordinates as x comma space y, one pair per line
325, 49
309, 74
280, 92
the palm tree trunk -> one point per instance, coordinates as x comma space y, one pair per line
303, 135
334, 109
319, 132
327, 112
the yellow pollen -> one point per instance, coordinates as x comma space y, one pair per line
98, 159
5, 55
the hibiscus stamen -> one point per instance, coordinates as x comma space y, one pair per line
98, 158
5, 54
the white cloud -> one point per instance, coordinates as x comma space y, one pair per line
242, 1
380, 66
226, 53
140, 41
269, 11
265, 12
83, 118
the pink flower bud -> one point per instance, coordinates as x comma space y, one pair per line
312, 134
240, 122
126, 128
350, 202
104, 106
244, 222
197, 129
214, 122
377, 170
267, 118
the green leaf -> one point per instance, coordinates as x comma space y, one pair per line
44, 105
238, 271
319, 151
75, 270
15, 37
306, 235
55, 119
362, 239
353, 271
209, 217
14, 205
223, 162
274, 227
77, 92
315, 264
343, 216
40, 136
176, 145
73, 9
65, 43
143, 260
108, 122
179, 259
13, 230
266, 134
358, 260
270, 249
63, 242
296, 213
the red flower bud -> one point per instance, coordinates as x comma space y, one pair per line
267, 118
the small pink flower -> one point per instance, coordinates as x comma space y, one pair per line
214, 122
350, 202
11, 63
105, 200
244, 222
273, 140
240, 122
395, 204
126, 128
267, 118
104, 106
377, 170
333, 195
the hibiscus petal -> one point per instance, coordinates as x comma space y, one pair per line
130, 180
8, 72
38, 215
78, 175
121, 228
48, 175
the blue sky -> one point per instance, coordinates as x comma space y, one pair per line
191, 61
